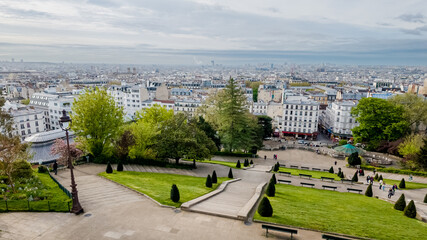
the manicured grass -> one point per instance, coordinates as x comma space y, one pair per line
228, 164
409, 185
158, 185
315, 174
347, 213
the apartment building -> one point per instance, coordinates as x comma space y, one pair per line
300, 117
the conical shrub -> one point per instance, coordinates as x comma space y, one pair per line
109, 168
376, 177
252, 162
230, 174
238, 164
265, 209
209, 181
355, 178
402, 183
368, 192
380, 178
120, 167
341, 175
425, 198
214, 178
331, 170
410, 210
174, 193
273, 179
400, 204
271, 189
276, 167
339, 172
246, 163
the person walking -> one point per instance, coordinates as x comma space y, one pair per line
335, 163
55, 167
265, 157
368, 178
390, 193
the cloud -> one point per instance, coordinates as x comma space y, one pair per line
414, 18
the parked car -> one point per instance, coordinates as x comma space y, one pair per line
301, 142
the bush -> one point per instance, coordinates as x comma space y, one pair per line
42, 169
400, 204
355, 178
238, 164
276, 167
209, 181
21, 169
354, 159
230, 174
368, 192
410, 210
425, 198
214, 178
271, 189
342, 142
120, 167
376, 177
246, 163
174, 193
342, 175
402, 183
331, 170
395, 170
265, 208
339, 172
273, 179
380, 178
233, 154
252, 162
109, 168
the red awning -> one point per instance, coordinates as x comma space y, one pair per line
308, 134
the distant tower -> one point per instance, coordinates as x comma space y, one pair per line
128, 69
134, 70
213, 63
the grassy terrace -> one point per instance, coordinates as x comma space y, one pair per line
158, 185
228, 164
346, 213
315, 174
409, 185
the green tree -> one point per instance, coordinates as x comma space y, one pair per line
411, 146
265, 123
123, 145
369, 192
96, 122
378, 120
415, 109
401, 203
206, 127
354, 159
421, 158
265, 209
402, 184
410, 210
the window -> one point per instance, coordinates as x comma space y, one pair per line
22, 132
37, 123
28, 125
311, 114
37, 130
338, 113
29, 131
35, 116
338, 119
22, 126
351, 120
286, 112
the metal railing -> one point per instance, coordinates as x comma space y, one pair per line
34, 206
61, 187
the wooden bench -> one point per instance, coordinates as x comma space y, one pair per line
355, 190
331, 237
308, 184
327, 178
346, 180
280, 229
282, 165
305, 175
331, 187
326, 170
306, 168
294, 166
316, 169
284, 181
286, 173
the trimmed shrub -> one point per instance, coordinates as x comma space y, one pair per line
230, 174
21, 169
233, 154
339, 172
120, 167
376, 177
354, 159
271, 189
246, 163
425, 198
238, 164
109, 168
273, 179
209, 181
174, 193
214, 178
342, 142
402, 183
355, 178
252, 162
341, 175
368, 192
380, 178
276, 167
331, 170
410, 210
42, 169
265, 208
400, 204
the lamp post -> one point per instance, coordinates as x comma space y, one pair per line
65, 123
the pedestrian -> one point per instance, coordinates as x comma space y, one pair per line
368, 178
383, 186
265, 157
410, 177
395, 187
55, 167
372, 180
390, 193
374, 171
335, 163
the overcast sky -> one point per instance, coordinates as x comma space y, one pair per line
227, 31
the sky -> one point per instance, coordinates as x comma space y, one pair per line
195, 32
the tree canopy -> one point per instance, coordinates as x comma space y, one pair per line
415, 109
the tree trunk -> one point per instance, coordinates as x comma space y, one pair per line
194, 164
177, 161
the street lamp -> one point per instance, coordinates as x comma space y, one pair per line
65, 123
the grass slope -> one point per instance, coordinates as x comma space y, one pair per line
158, 185
409, 185
315, 174
346, 213
228, 164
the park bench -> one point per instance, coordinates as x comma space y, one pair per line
282, 165
294, 166
307, 168
331, 237
280, 229
316, 169
355, 190
326, 170
346, 180
286, 173
308, 184
284, 181
305, 175
331, 187
327, 178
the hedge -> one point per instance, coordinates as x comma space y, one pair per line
395, 170
233, 154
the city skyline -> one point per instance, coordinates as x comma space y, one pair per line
196, 32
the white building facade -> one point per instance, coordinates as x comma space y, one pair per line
300, 117
337, 119
28, 121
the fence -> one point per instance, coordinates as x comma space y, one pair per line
61, 187
34, 206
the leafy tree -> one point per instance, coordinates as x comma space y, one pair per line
354, 159
25, 101
355, 177
368, 192
123, 145
238, 164
209, 181
265, 123
401, 203
254, 86
21, 169
421, 158
60, 148
6, 120
410, 210
109, 168
206, 127
265, 209
214, 177
342, 142
402, 183
415, 109
96, 122
378, 120
271, 189
230, 174
331, 170
156, 115
409, 149
175, 193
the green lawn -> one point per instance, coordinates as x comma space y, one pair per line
346, 213
409, 185
158, 185
228, 164
315, 174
